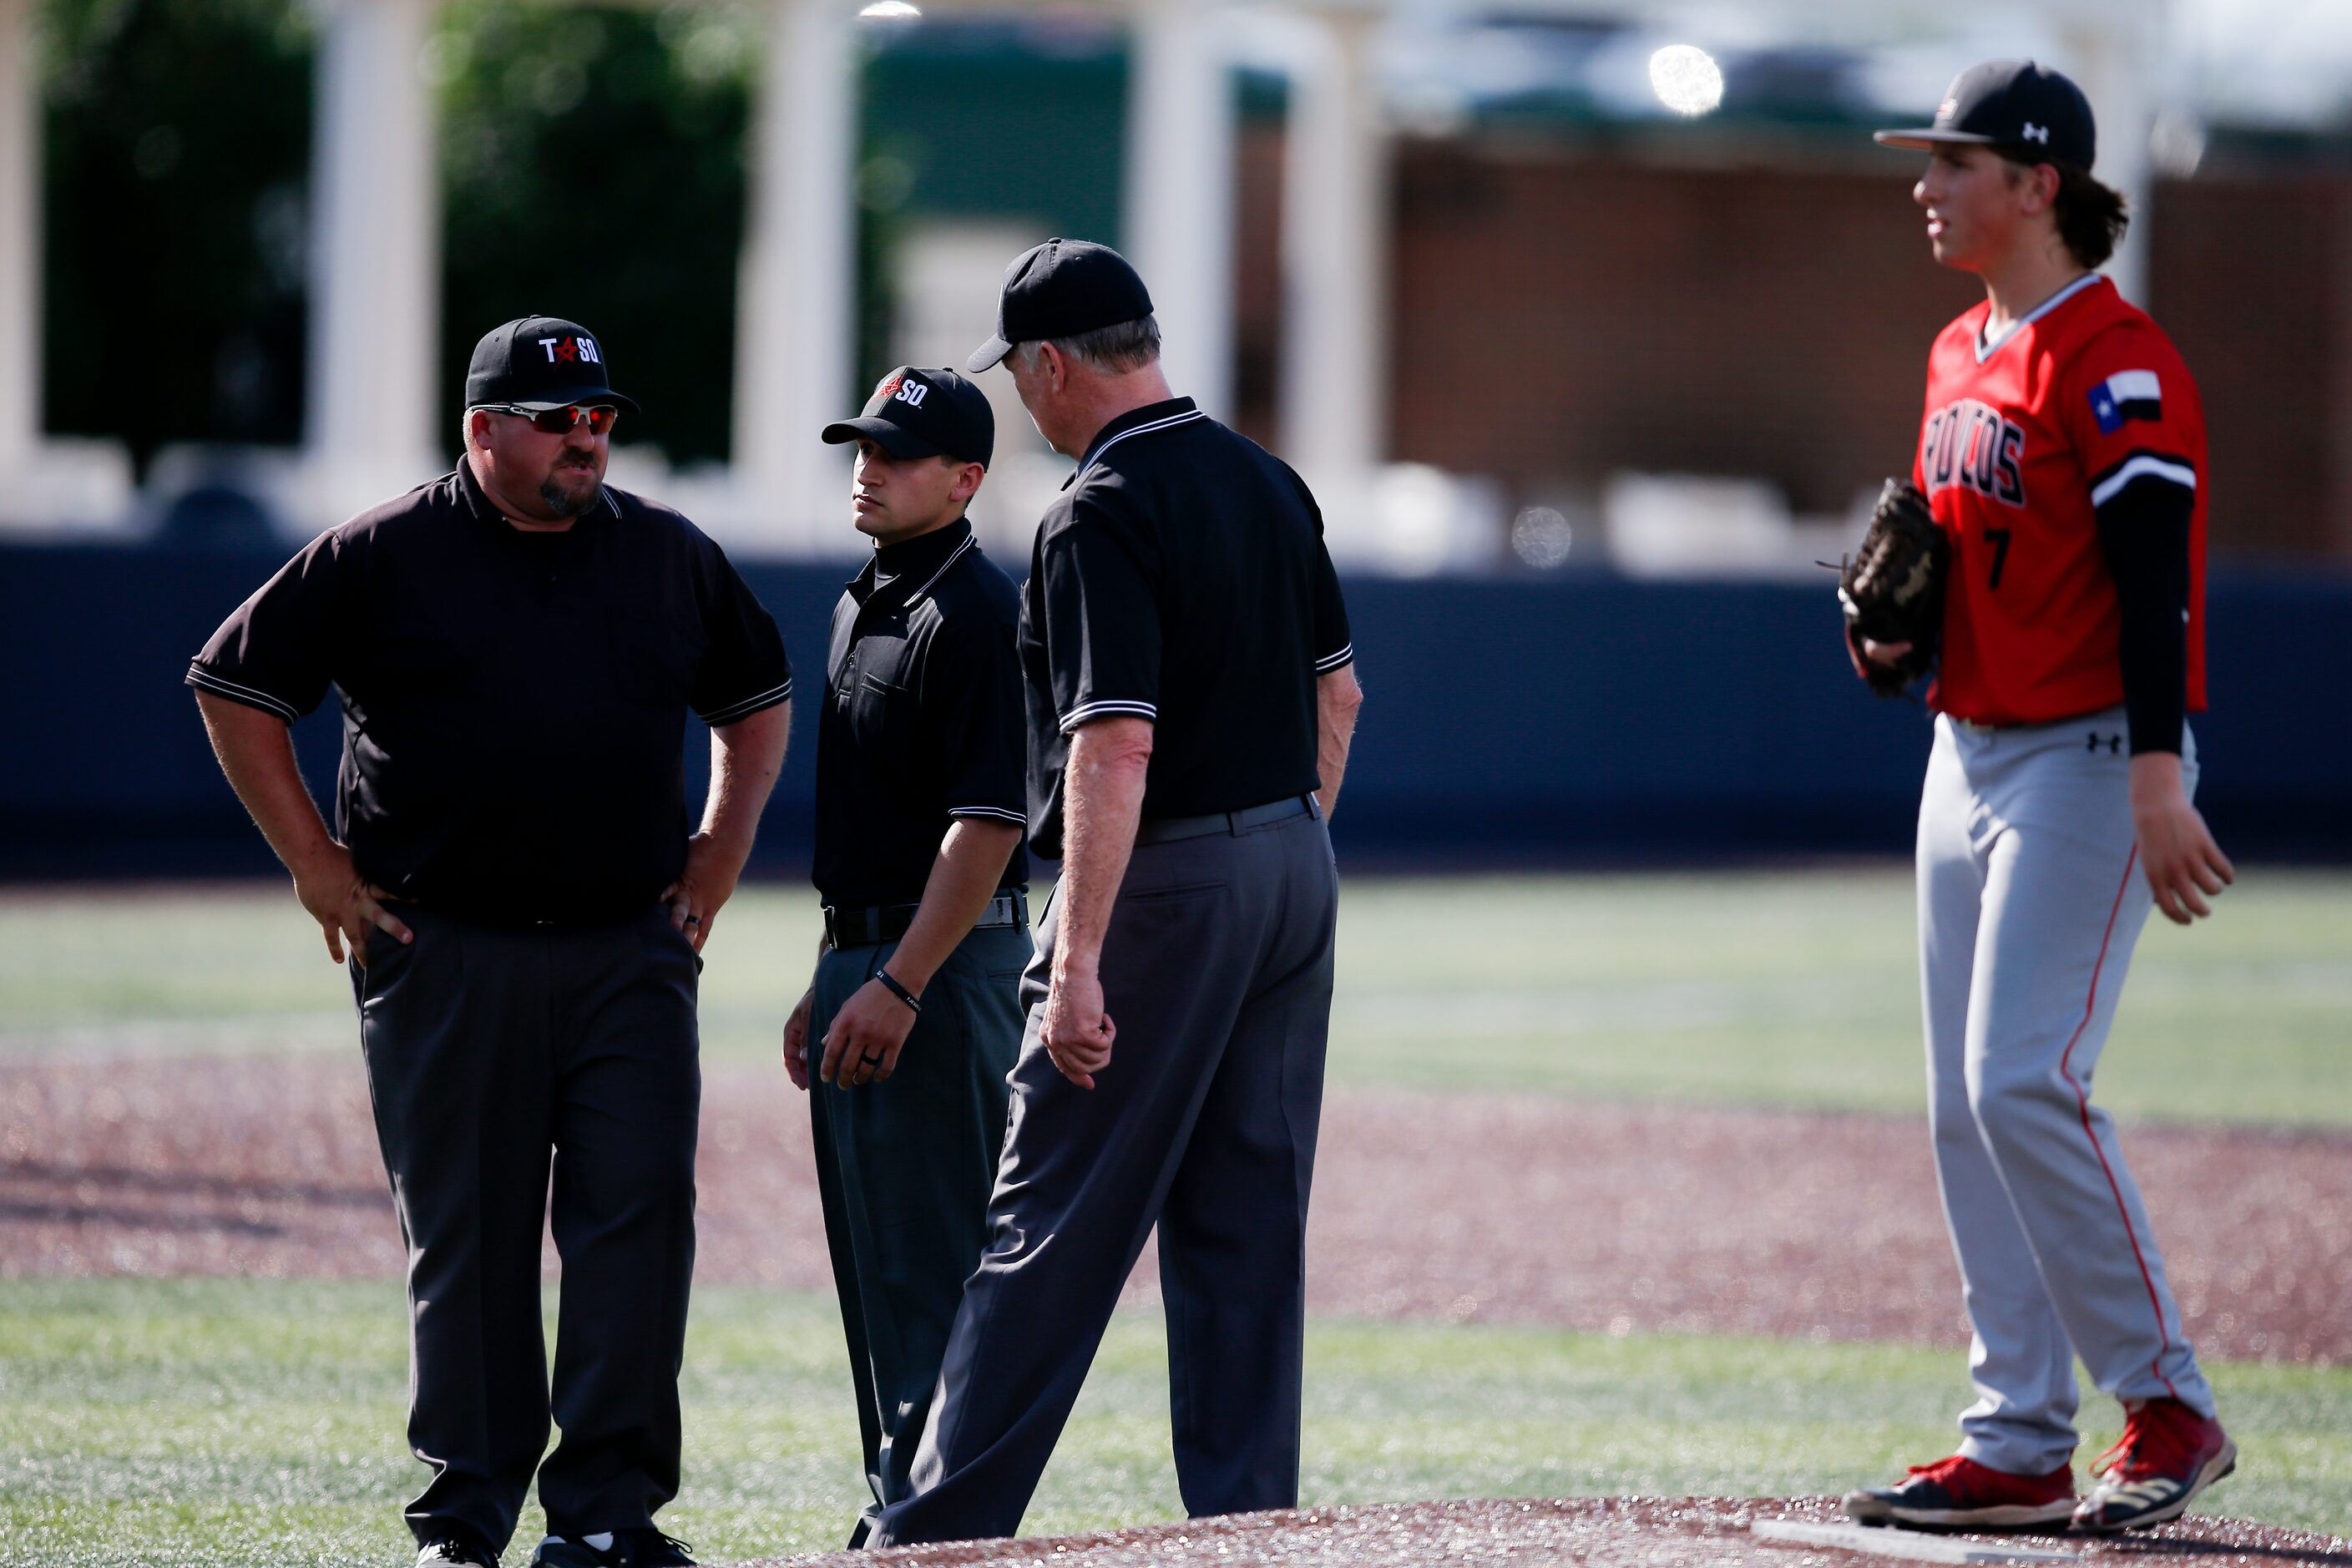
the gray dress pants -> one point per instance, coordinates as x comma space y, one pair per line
905, 1169
492, 1055
1216, 970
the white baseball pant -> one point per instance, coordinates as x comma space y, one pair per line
2030, 897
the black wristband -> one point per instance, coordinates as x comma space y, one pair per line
890, 983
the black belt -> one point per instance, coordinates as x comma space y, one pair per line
877, 923
1162, 830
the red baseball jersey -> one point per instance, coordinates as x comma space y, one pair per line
2024, 439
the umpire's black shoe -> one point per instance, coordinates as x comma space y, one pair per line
455, 1547
646, 1548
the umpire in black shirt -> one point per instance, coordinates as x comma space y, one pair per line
915, 1005
517, 647
1190, 699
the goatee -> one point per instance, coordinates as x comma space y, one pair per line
564, 502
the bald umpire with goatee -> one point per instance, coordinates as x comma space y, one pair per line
1191, 697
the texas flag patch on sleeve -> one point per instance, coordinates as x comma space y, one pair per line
2127, 394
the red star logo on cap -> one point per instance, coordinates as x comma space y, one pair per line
568, 349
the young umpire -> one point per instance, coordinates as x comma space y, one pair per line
1190, 700
914, 1018
516, 647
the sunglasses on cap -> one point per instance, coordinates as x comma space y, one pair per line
598, 416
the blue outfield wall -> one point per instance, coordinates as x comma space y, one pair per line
1576, 720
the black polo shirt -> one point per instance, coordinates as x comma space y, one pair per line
921, 722
1180, 578
514, 703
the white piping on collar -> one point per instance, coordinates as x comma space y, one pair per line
954, 556
1985, 350
1170, 423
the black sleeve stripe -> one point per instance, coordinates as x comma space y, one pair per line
749, 706
996, 813
1086, 713
1331, 661
251, 697
2141, 462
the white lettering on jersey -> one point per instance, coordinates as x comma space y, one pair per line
1969, 444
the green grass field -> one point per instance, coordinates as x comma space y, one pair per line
234, 1421
201, 1422
1784, 988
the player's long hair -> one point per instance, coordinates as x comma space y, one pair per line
2091, 217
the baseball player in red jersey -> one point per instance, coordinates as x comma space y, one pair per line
2062, 453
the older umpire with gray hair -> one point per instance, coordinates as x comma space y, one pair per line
1191, 697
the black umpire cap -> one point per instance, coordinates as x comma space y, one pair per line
924, 414
542, 362
1060, 290
2019, 108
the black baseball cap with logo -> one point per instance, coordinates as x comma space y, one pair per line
538, 363
1059, 290
2019, 108
924, 414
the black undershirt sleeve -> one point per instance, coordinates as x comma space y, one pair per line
2144, 529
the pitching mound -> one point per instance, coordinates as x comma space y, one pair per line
1593, 1532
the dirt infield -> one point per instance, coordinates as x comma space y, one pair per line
1590, 1532
1595, 1216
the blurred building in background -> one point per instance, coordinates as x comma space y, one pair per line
1550, 287
1590, 320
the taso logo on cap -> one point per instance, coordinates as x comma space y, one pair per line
903, 390
571, 350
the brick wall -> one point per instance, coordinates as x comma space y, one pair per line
2252, 278
1559, 314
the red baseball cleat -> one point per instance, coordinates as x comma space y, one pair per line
2166, 1455
1958, 1493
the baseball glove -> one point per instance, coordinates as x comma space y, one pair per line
1893, 588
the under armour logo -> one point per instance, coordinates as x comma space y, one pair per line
2037, 134
2114, 744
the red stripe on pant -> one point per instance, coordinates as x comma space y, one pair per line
2082, 1103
